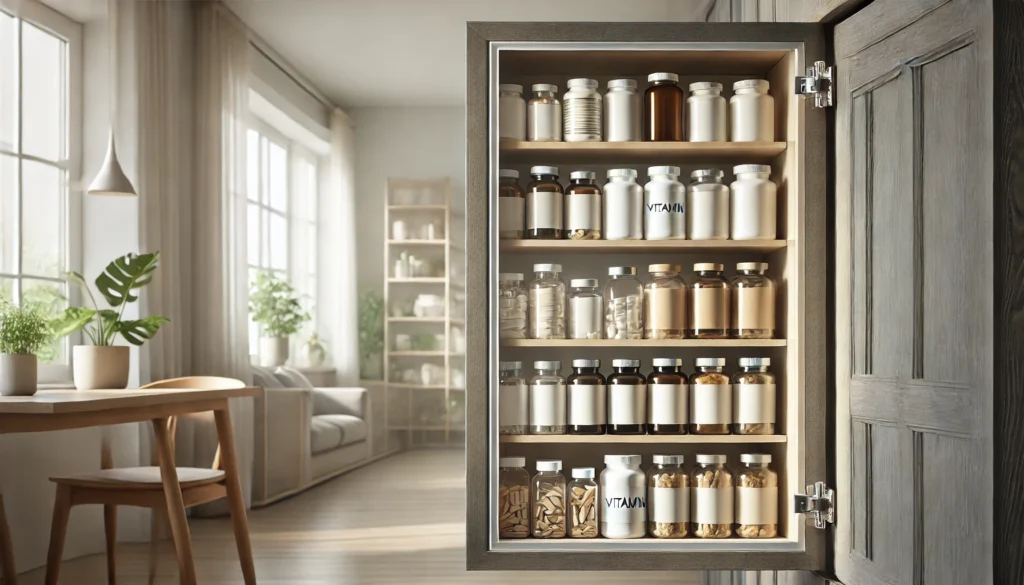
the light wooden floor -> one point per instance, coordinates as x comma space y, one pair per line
399, 521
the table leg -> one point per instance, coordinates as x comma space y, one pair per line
236, 501
175, 503
6, 548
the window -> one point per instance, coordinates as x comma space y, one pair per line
282, 201
38, 154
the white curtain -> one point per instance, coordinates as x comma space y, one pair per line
339, 303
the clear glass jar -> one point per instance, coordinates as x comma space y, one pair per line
753, 398
623, 206
588, 395
583, 503
753, 302
513, 399
757, 497
511, 205
627, 398
668, 398
582, 111
707, 113
547, 302
547, 399
707, 206
663, 108
710, 398
513, 498
623, 497
754, 203
752, 111
664, 205
548, 498
622, 113
544, 114
544, 205
709, 310
623, 304
668, 498
665, 307
512, 305
583, 207
586, 309
511, 112
711, 506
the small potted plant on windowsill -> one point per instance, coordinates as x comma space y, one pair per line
23, 333
104, 365
274, 304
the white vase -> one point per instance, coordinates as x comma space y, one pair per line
273, 351
17, 374
101, 367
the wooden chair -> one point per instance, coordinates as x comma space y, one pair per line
136, 486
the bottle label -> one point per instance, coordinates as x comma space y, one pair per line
711, 404
586, 404
547, 405
623, 211
623, 504
710, 308
543, 210
664, 212
757, 505
753, 307
668, 404
544, 122
666, 309
627, 404
583, 118
513, 405
510, 214
671, 505
753, 403
712, 506
583, 211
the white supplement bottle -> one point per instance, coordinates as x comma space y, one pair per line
582, 110
664, 205
623, 206
707, 206
511, 112
622, 112
753, 203
752, 112
707, 113
623, 497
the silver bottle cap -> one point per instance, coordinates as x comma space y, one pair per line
621, 173
543, 87
549, 465
586, 363
509, 276
755, 458
704, 267
583, 283
662, 170
709, 362
756, 266
755, 362
508, 173
583, 175
507, 366
547, 267
583, 82
715, 174
706, 85
544, 171
627, 460
512, 462
667, 362
625, 363
622, 271
547, 365
662, 76
583, 473
667, 459
740, 169
621, 83
713, 459
751, 83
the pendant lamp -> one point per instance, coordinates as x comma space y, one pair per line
110, 179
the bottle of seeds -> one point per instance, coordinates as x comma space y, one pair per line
513, 498
710, 398
757, 498
712, 498
583, 502
548, 498
668, 498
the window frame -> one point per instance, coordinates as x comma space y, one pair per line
70, 32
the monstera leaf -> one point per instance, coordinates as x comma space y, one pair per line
138, 331
122, 277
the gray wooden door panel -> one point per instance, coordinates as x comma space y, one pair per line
913, 338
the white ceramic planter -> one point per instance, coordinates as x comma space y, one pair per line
273, 351
18, 374
101, 367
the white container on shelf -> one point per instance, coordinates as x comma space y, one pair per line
664, 205
707, 206
582, 111
623, 497
751, 112
511, 112
753, 205
398, 230
706, 111
547, 399
622, 112
544, 114
623, 206
586, 309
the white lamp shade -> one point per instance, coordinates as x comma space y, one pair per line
111, 180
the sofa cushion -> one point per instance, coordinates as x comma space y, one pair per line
292, 378
353, 429
264, 378
323, 435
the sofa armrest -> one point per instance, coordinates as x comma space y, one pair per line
351, 401
281, 441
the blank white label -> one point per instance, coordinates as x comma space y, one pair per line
583, 211
667, 404
586, 404
627, 404
622, 504
753, 403
544, 210
547, 405
510, 214
710, 404
757, 505
669, 504
513, 405
712, 506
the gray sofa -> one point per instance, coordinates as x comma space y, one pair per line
305, 435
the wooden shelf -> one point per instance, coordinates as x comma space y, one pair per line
643, 342
421, 280
640, 246
646, 439
414, 353
417, 242
514, 151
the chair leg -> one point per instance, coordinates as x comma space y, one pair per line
156, 525
58, 530
6, 549
110, 529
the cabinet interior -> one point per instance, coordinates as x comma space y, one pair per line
521, 64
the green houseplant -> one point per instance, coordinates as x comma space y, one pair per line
103, 364
24, 332
275, 305
371, 336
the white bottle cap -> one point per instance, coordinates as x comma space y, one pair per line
544, 87
623, 363
667, 362
752, 266
663, 76
751, 83
549, 465
755, 362
621, 83
583, 175
654, 171
547, 267
709, 362
621, 173
667, 459
706, 85
544, 171
507, 276
512, 462
755, 458
583, 473
583, 82
547, 365
713, 459
738, 169
505, 366
510, 87
583, 283
622, 460
512, 173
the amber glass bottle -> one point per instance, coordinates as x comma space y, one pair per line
663, 108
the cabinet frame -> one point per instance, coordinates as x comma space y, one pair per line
482, 343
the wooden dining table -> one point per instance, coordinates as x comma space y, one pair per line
58, 410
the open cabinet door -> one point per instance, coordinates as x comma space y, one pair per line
914, 314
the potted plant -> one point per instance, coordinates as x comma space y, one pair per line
371, 336
274, 304
103, 364
23, 333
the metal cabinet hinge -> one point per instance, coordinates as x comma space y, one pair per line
818, 82
819, 502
